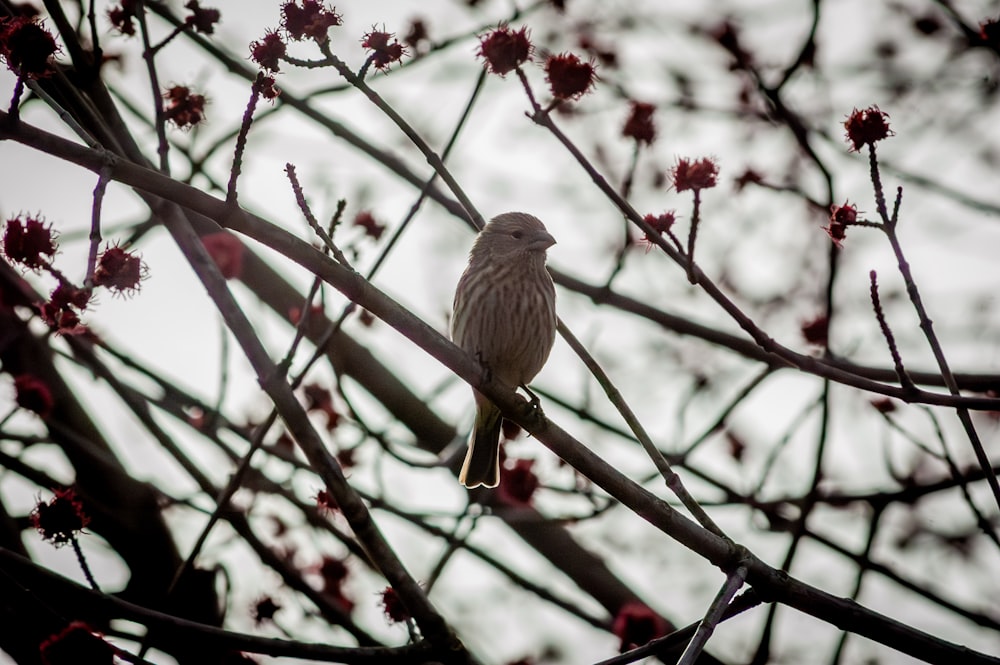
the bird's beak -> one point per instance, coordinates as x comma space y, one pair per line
542, 241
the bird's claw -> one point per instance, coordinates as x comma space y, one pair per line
534, 404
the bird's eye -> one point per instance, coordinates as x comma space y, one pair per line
517, 235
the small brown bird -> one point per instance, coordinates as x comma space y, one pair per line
505, 316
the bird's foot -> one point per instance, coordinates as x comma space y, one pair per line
534, 404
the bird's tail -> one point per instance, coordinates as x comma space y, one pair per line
482, 462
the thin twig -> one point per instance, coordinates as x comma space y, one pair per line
300, 198
673, 481
163, 148
745, 601
432, 157
927, 326
715, 613
15, 100
890, 339
241, 138
95, 37
693, 234
82, 560
95, 223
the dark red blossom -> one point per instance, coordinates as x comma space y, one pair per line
184, 108
345, 457
27, 47
728, 37
334, 573
66, 295
295, 314
660, 223
867, 126
74, 644
28, 241
695, 174
63, 320
311, 20
837, 233
202, 19
119, 270
750, 176
33, 394
816, 330
639, 125
60, 312
269, 51
393, 607
417, 36
226, 251
320, 399
636, 624
373, 228
884, 405
518, 483
504, 49
264, 609
266, 85
123, 16
384, 51
568, 76
325, 502
840, 218
59, 520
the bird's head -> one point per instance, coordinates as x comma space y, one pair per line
513, 234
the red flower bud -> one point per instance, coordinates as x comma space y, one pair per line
119, 270
518, 483
660, 223
636, 624
27, 47
393, 607
226, 251
59, 520
123, 16
867, 126
373, 228
202, 19
816, 331
310, 21
28, 241
694, 174
33, 394
264, 609
840, 218
504, 49
384, 52
568, 76
184, 108
639, 125
269, 51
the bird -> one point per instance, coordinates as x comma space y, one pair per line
504, 315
